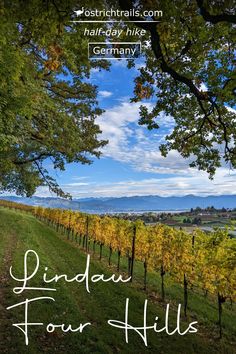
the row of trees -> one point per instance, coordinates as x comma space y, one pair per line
207, 261
194, 221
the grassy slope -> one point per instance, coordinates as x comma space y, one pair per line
20, 232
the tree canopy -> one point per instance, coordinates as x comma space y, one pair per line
48, 106
190, 70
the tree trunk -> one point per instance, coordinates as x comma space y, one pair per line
185, 295
193, 240
129, 263
162, 283
110, 253
88, 246
84, 241
87, 233
118, 264
133, 255
145, 275
100, 257
94, 247
221, 300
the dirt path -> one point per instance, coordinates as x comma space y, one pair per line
5, 316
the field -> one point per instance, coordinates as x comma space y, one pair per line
20, 232
206, 219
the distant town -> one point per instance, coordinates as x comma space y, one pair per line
207, 219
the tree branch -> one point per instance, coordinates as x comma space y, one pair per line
33, 159
52, 185
156, 47
224, 17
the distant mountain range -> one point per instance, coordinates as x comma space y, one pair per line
131, 204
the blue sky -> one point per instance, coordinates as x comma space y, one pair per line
131, 163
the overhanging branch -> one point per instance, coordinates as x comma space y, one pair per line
224, 17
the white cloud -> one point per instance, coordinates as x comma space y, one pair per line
197, 183
203, 87
105, 94
78, 178
134, 145
230, 109
137, 148
76, 184
121, 63
140, 65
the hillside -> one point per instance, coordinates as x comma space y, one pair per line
20, 232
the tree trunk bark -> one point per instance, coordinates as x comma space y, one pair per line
133, 255
118, 264
110, 253
87, 233
129, 263
145, 275
100, 257
221, 300
162, 283
185, 295
88, 246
